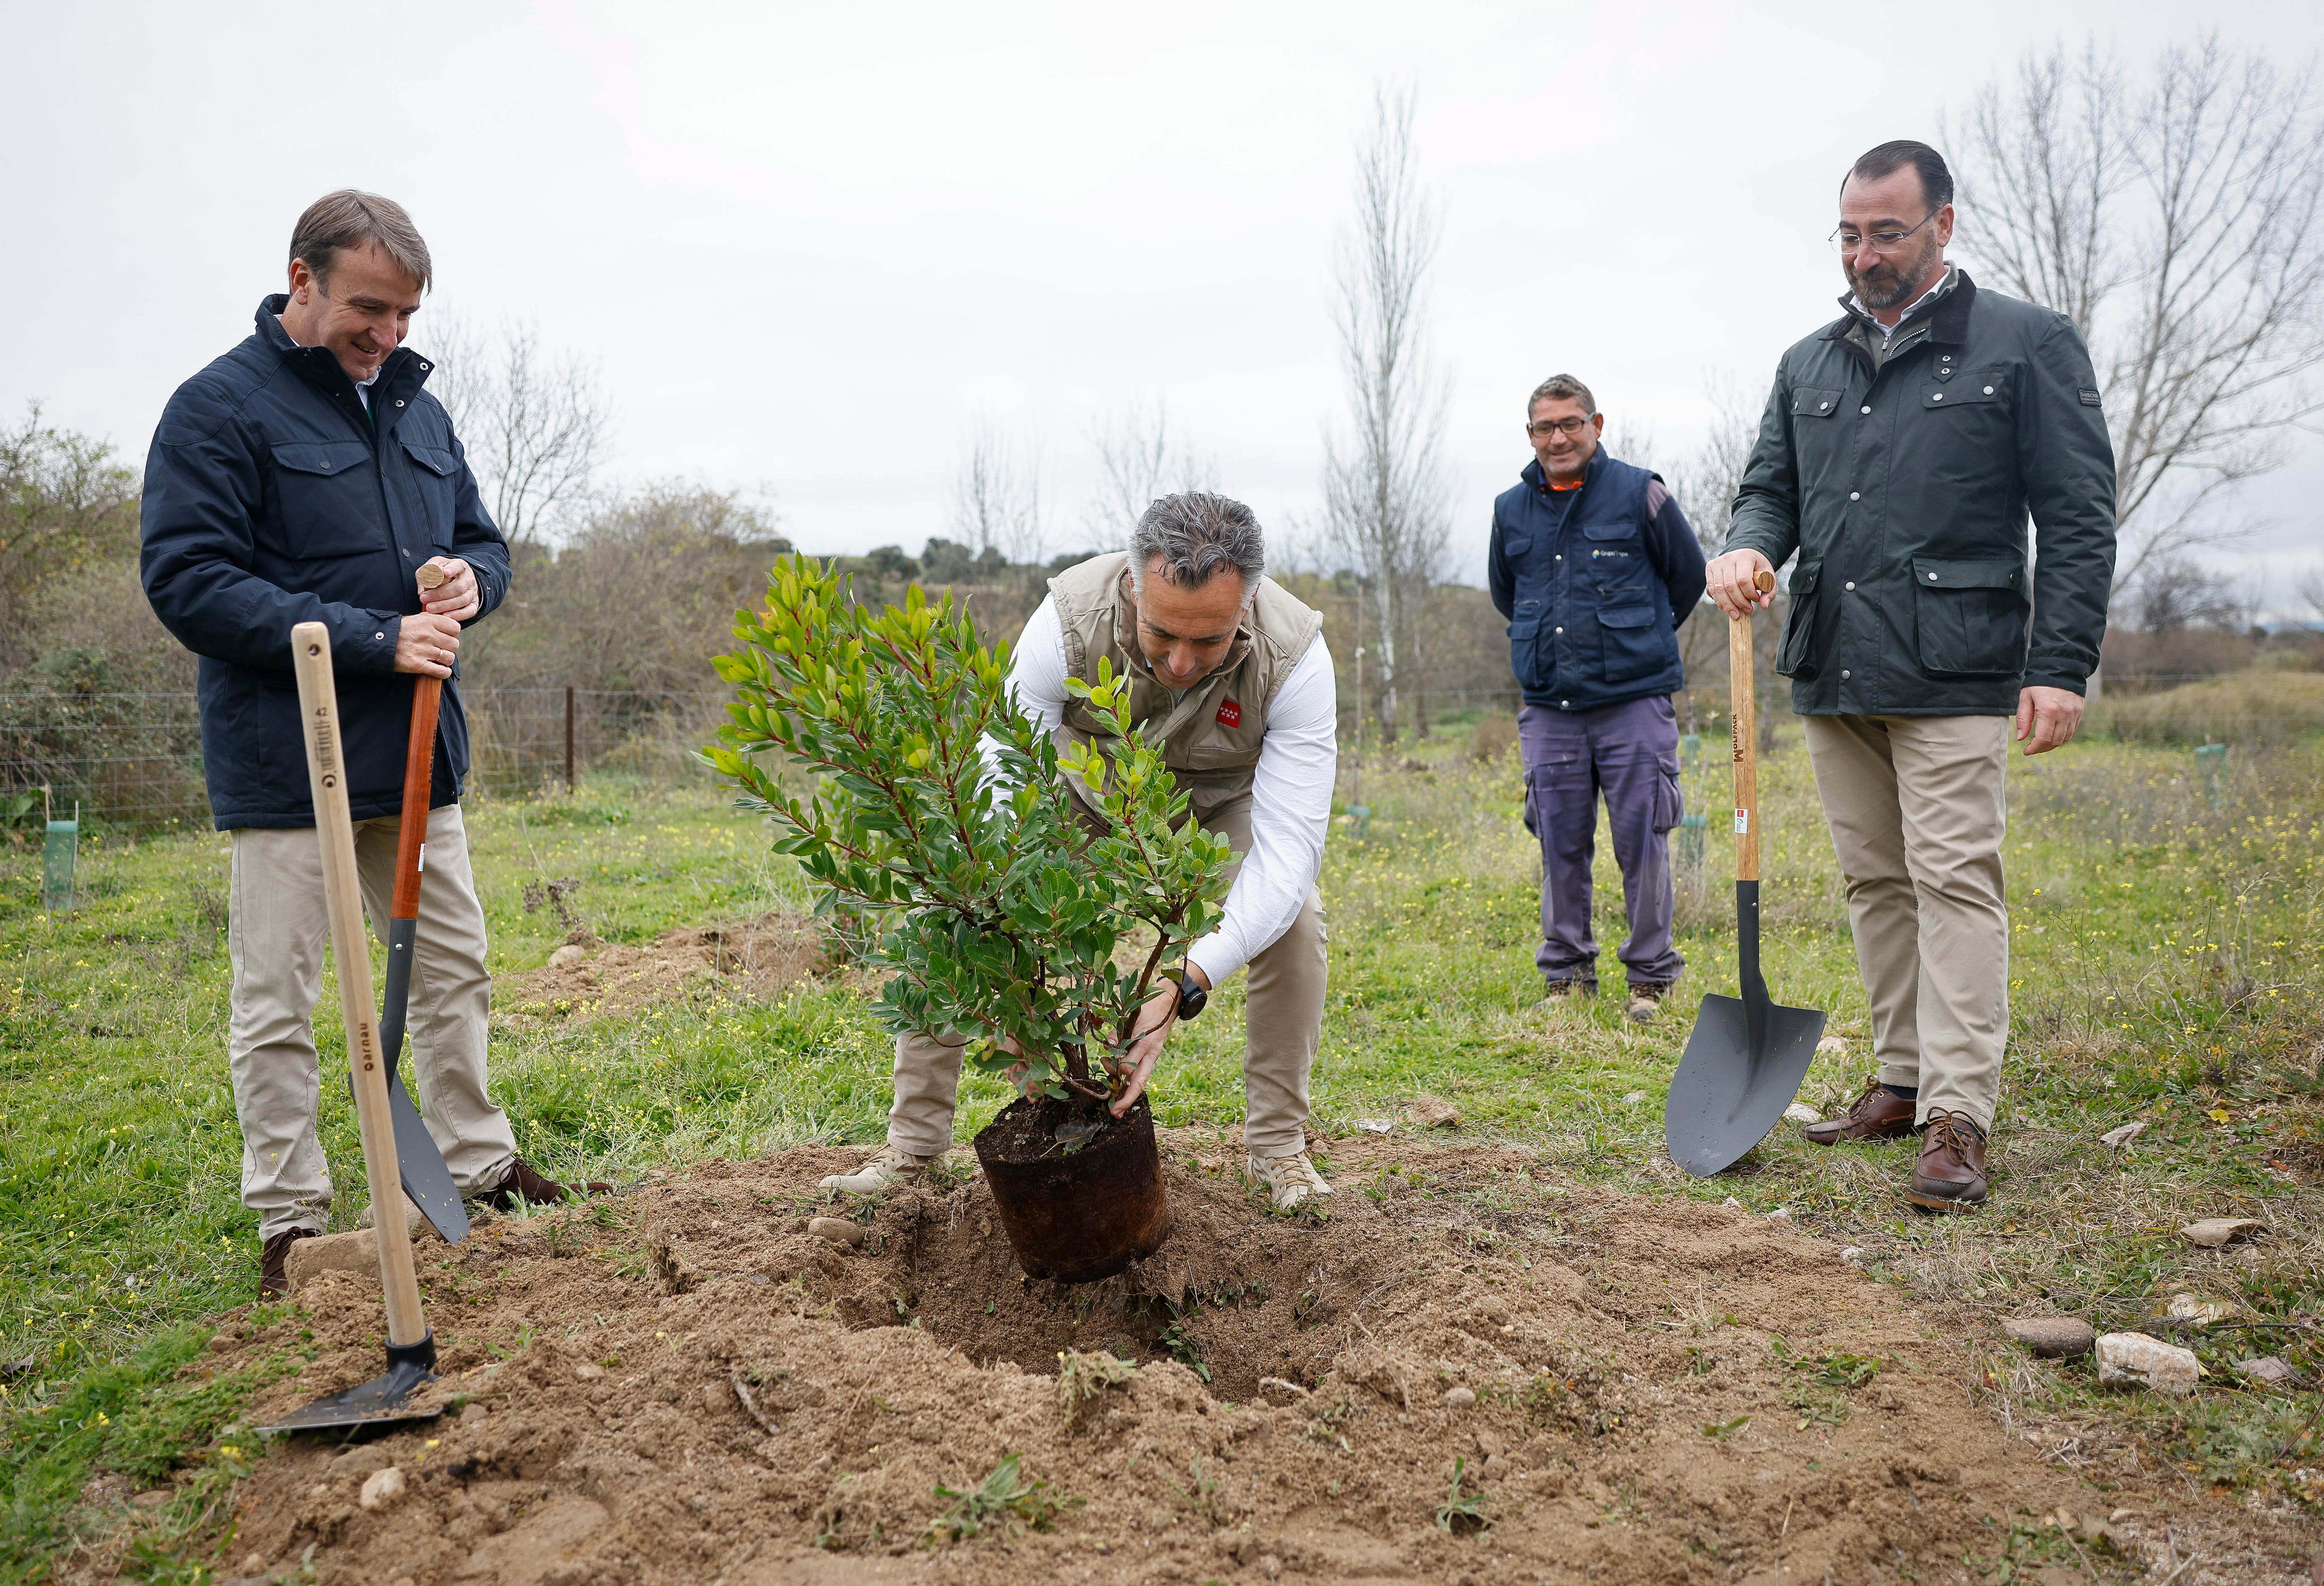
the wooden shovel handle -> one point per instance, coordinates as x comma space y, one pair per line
1743, 708
419, 780
311, 658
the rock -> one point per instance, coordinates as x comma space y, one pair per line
2271, 1370
1852, 1254
1780, 1214
1830, 1045
2054, 1338
2136, 1361
310, 1258
219, 1343
473, 1413
2210, 1234
1459, 1398
566, 956
1376, 1125
360, 1461
837, 1231
588, 1372
1801, 1112
2126, 1134
1490, 1443
1634, 1098
2197, 1312
1432, 1112
383, 1489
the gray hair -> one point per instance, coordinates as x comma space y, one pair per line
352, 220
1561, 388
1197, 534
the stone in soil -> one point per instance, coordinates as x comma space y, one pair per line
2133, 1359
2054, 1338
1569, 1343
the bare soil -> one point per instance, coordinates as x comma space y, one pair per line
758, 957
684, 1384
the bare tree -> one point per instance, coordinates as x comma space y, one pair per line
1139, 461
997, 497
1706, 484
2179, 225
1385, 493
534, 426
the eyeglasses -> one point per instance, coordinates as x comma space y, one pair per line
1844, 241
1568, 427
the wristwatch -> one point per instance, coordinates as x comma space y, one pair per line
1191, 996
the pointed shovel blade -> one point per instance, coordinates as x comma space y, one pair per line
1728, 1093
427, 1181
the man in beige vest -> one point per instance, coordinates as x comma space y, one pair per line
1234, 676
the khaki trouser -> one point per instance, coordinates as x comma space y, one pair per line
277, 926
1917, 811
1283, 1019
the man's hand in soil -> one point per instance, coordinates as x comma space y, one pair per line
426, 644
1153, 1027
455, 597
2047, 717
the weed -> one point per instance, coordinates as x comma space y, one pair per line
1180, 1345
1720, 1431
1462, 1516
1083, 1378
1202, 1498
1007, 1500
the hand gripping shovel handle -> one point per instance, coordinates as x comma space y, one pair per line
310, 651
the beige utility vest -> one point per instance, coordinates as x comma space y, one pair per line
1210, 735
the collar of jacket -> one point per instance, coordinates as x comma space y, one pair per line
401, 376
1948, 320
1534, 475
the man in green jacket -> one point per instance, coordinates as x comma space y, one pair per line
1902, 449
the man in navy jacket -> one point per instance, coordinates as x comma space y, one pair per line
306, 476
1595, 567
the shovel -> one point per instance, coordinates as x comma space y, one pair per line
1746, 1059
410, 1347
427, 1181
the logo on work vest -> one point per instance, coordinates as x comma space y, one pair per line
1229, 713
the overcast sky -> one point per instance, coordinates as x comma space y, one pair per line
811, 246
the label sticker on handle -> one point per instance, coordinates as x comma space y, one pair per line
1742, 822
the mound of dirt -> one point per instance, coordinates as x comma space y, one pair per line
686, 1384
585, 978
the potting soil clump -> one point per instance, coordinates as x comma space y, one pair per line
1465, 1371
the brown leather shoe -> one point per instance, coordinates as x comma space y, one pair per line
1951, 1175
1878, 1114
274, 1261
521, 1183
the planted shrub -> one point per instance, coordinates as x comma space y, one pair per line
996, 876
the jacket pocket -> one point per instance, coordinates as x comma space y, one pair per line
1971, 617
1817, 401
1637, 645
1526, 660
432, 472
323, 507
1795, 656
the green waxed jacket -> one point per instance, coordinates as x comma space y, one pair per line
1905, 483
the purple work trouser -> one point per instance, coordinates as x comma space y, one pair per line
1629, 751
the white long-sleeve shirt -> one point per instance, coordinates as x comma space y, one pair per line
1290, 794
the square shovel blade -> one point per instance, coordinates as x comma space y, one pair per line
381, 1402
1729, 1090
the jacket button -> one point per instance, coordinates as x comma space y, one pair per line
399, 401
1865, 408
1827, 404
1844, 676
1558, 558
1937, 396
1988, 391
1565, 705
1851, 584
379, 636
1852, 495
1932, 578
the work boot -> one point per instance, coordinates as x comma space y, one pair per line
1645, 999
1951, 1175
885, 1167
1290, 1181
274, 1261
1560, 990
523, 1183
1878, 1114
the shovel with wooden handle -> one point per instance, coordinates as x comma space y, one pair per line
1748, 1054
410, 1347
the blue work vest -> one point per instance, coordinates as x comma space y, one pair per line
1591, 621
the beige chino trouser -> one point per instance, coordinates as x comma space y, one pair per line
1283, 1021
1917, 810
277, 926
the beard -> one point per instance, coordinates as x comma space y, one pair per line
1889, 283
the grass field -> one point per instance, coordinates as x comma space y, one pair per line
2166, 970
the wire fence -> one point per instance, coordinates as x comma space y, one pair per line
135, 759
